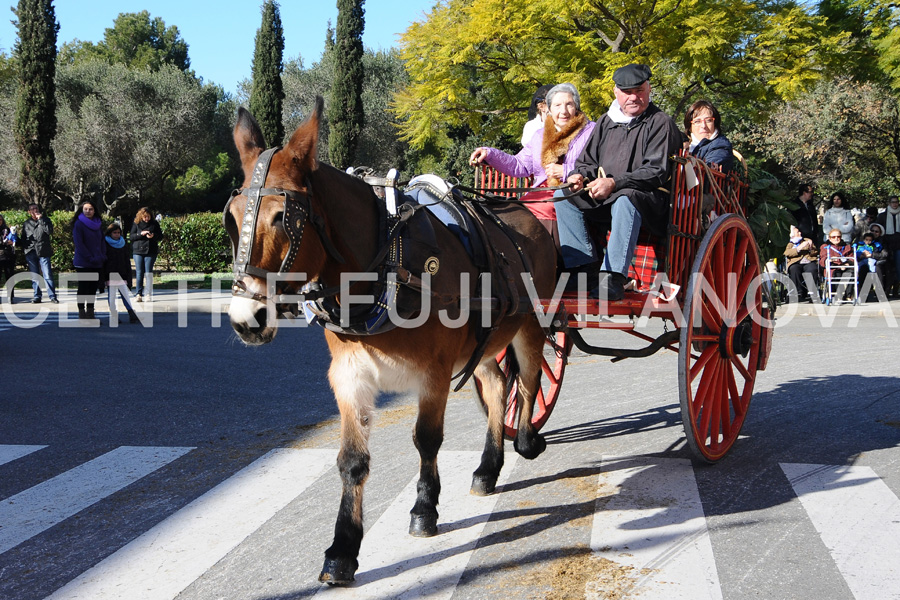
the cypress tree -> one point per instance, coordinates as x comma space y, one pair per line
267, 92
35, 122
345, 111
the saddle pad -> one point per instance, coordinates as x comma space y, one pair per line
434, 193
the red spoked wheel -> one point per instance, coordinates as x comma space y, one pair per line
720, 347
553, 367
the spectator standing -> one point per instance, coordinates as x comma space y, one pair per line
805, 214
37, 233
117, 272
801, 255
838, 216
7, 254
890, 220
145, 237
90, 256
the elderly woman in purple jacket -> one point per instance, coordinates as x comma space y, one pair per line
90, 255
550, 153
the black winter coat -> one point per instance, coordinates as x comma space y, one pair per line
140, 244
637, 155
118, 260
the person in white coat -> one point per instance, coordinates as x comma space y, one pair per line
838, 216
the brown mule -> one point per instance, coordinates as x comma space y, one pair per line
302, 216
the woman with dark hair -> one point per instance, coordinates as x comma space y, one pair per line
145, 237
537, 113
838, 216
90, 255
703, 126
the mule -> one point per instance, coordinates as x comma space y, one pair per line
308, 217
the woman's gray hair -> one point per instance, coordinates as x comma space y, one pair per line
565, 88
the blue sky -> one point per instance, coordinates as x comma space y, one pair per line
220, 33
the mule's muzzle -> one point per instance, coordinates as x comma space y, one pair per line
252, 326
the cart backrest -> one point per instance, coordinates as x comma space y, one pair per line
700, 193
490, 178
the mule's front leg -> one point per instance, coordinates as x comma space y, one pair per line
340, 559
428, 437
355, 393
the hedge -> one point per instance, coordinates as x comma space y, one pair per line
196, 243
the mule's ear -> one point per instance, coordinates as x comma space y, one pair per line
249, 139
304, 141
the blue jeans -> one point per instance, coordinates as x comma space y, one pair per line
575, 242
143, 265
40, 265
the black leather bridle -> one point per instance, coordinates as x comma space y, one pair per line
296, 212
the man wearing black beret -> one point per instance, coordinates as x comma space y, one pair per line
624, 171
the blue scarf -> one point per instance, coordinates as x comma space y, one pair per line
115, 243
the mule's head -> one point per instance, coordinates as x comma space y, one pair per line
267, 222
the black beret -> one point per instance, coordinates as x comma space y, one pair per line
631, 76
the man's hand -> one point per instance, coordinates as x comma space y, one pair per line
575, 181
601, 188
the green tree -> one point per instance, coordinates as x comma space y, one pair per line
379, 146
126, 133
345, 111
267, 93
475, 63
134, 40
35, 124
842, 134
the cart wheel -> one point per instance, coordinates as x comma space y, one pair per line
720, 346
553, 367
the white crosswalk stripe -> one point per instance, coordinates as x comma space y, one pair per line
648, 521
36, 509
858, 518
169, 557
395, 565
649, 518
9, 453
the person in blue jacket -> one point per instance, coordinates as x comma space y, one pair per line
703, 125
90, 255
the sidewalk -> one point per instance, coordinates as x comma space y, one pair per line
208, 301
164, 301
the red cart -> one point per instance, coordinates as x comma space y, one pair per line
705, 278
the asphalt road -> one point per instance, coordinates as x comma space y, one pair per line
115, 442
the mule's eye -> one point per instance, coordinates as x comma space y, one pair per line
278, 220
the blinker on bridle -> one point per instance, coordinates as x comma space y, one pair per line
297, 210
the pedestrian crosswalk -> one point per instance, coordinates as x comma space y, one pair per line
648, 519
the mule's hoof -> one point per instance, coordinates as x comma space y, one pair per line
483, 486
338, 571
423, 525
532, 449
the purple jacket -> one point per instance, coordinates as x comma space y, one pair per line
90, 247
528, 160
